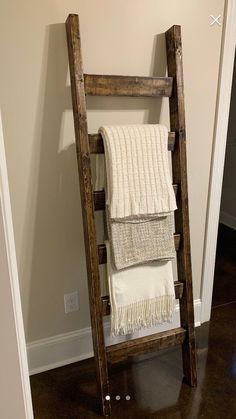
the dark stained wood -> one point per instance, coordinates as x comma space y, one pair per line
179, 164
96, 143
106, 305
84, 167
106, 299
99, 198
145, 344
102, 253
104, 85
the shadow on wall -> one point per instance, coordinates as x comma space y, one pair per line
58, 249
58, 257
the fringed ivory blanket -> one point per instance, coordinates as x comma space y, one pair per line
140, 296
140, 203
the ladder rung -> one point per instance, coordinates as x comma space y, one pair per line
106, 308
102, 253
105, 85
99, 198
145, 344
96, 143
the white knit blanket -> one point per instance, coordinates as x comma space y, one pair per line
140, 297
137, 166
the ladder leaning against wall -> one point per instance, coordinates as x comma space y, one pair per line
104, 85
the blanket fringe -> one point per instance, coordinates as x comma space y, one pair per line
142, 314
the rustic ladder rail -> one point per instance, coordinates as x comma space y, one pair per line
172, 87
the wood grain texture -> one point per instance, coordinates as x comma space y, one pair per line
179, 286
145, 344
102, 253
86, 191
179, 164
96, 143
99, 198
105, 85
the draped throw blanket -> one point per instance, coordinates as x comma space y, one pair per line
139, 211
137, 167
134, 243
137, 238
140, 296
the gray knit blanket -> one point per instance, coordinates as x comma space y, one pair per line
135, 243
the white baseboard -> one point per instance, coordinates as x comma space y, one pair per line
56, 351
228, 220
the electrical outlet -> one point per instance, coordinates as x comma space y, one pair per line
71, 302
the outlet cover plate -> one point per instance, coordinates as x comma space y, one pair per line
71, 302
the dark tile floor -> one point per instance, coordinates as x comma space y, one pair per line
154, 383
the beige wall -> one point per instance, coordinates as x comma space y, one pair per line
12, 399
14, 377
228, 200
120, 37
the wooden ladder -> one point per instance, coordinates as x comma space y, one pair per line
105, 85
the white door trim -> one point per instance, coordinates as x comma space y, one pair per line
218, 155
13, 280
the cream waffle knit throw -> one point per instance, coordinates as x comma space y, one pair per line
140, 296
137, 167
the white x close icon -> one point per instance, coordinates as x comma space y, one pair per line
215, 20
